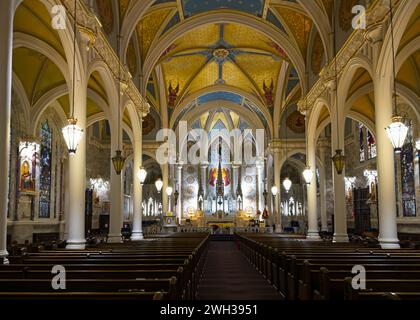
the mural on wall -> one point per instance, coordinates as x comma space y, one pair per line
173, 95
148, 124
28, 158
106, 15
296, 122
269, 93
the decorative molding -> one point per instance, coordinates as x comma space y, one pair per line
89, 25
354, 44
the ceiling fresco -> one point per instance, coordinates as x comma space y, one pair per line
228, 54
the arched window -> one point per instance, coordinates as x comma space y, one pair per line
45, 171
408, 187
362, 156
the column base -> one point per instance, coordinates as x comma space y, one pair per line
389, 243
137, 236
114, 238
76, 245
313, 235
3, 257
340, 237
279, 229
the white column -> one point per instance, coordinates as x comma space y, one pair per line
235, 176
180, 204
7, 11
388, 234
277, 182
204, 180
258, 184
313, 232
322, 193
165, 180
340, 213
137, 231
116, 194
77, 174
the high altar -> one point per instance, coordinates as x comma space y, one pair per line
220, 193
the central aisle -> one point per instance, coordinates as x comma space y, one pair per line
228, 275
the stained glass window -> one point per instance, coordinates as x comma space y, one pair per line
45, 171
407, 176
361, 143
371, 145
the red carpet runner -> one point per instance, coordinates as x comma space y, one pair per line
228, 275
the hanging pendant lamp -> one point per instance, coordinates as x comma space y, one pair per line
72, 133
397, 131
118, 160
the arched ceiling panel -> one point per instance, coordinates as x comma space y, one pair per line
37, 73
412, 30
33, 18
409, 74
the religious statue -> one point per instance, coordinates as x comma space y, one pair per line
173, 95
265, 213
26, 181
268, 93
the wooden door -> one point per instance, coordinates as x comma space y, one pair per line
361, 210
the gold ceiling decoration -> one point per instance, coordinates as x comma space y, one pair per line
124, 4
148, 28
317, 55
230, 54
295, 21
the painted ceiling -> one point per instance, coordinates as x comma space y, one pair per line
228, 54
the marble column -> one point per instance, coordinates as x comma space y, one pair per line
204, 180
322, 194
180, 204
116, 193
313, 232
7, 11
383, 88
77, 162
340, 212
137, 232
165, 180
388, 233
277, 198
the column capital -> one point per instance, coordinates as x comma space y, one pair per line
374, 33
204, 164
